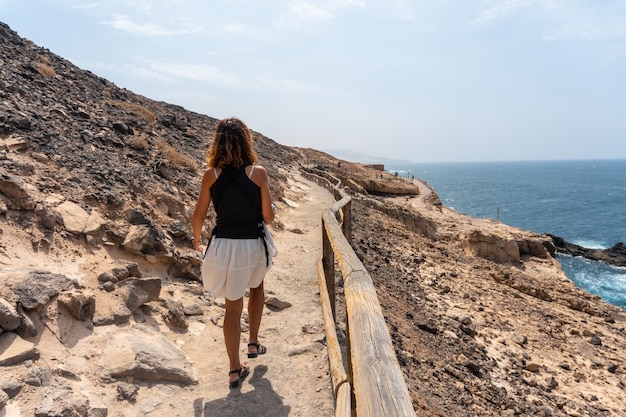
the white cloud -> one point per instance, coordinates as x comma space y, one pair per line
321, 10
309, 11
202, 73
126, 24
209, 74
497, 12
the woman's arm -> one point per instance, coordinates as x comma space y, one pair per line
202, 206
260, 178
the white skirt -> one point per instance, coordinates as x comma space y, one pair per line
231, 266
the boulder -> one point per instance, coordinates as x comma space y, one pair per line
489, 246
143, 353
148, 240
81, 305
40, 287
137, 291
76, 220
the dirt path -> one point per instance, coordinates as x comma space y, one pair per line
292, 379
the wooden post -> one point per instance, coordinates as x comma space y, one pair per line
346, 226
328, 262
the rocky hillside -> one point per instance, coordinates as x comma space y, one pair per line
73, 140
483, 319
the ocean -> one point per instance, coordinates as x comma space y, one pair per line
584, 202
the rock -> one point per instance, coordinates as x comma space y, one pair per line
147, 240
186, 264
462, 360
119, 274
519, 338
20, 195
176, 315
103, 319
551, 382
64, 371
121, 314
80, 304
9, 317
11, 387
532, 367
614, 256
596, 341
107, 277
76, 220
40, 287
428, 327
502, 250
97, 408
4, 399
386, 187
14, 349
143, 353
276, 303
131, 267
122, 127
473, 367
61, 400
193, 310
27, 326
39, 376
127, 392
137, 291
354, 186
450, 334
139, 218
138, 236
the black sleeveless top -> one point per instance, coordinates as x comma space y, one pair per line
237, 202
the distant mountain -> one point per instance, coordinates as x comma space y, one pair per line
362, 158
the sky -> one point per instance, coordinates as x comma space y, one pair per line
421, 81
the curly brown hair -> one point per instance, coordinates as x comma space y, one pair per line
231, 145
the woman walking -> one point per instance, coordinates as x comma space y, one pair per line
237, 257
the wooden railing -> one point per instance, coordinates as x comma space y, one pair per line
373, 385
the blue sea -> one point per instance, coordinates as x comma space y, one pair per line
582, 201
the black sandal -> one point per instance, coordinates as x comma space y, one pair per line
243, 373
260, 350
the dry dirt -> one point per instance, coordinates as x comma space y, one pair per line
292, 379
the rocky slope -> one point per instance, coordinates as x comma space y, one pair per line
482, 317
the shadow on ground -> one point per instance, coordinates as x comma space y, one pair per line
261, 402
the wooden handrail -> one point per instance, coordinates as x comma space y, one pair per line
374, 385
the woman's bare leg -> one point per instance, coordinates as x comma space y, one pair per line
255, 311
232, 334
